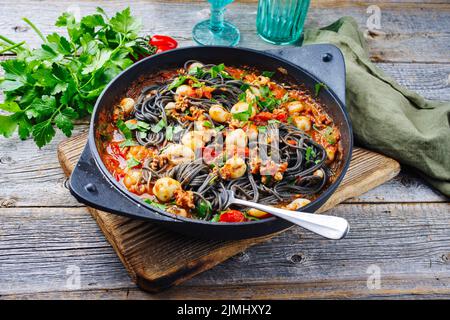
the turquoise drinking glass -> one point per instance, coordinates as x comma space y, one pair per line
216, 31
281, 21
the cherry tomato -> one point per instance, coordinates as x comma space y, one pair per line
163, 43
232, 216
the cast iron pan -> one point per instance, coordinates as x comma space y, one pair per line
92, 184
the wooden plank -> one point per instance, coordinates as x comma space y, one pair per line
409, 32
408, 242
145, 249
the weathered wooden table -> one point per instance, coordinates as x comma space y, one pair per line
400, 230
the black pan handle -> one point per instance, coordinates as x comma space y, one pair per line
324, 61
88, 185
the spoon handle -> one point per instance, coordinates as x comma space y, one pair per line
330, 227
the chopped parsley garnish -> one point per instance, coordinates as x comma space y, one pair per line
137, 125
132, 162
244, 115
127, 143
169, 133
219, 128
208, 124
262, 129
204, 208
124, 129
328, 135
159, 126
156, 204
268, 74
244, 87
178, 81
218, 69
242, 96
319, 86
310, 154
197, 72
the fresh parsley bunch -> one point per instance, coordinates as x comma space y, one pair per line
59, 82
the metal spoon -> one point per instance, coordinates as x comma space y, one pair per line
330, 227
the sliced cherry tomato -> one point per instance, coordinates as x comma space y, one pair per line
232, 216
163, 43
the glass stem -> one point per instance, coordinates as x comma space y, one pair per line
216, 20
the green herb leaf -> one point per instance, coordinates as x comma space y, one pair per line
178, 81
125, 24
318, 87
268, 74
329, 135
7, 125
216, 70
10, 106
61, 79
197, 72
156, 204
127, 143
169, 133
124, 129
132, 162
204, 208
64, 123
43, 133
310, 154
159, 126
208, 124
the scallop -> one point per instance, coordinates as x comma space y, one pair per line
219, 114
295, 107
236, 138
170, 106
192, 140
127, 105
297, 204
257, 213
302, 122
132, 177
164, 188
184, 90
178, 153
234, 168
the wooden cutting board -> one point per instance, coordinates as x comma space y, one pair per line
157, 258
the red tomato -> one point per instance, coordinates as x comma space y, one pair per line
163, 43
281, 117
232, 216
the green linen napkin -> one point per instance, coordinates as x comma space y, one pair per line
385, 116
